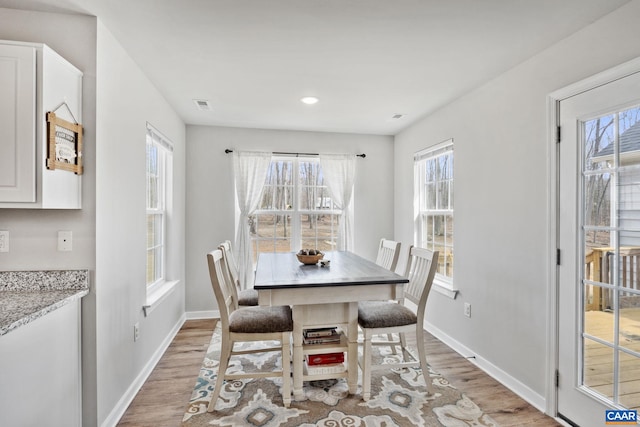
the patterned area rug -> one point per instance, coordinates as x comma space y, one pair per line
398, 398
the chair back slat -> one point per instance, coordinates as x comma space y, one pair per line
388, 253
421, 269
220, 281
225, 247
231, 262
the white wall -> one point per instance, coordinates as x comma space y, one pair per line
502, 221
109, 231
33, 233
33, 241
126, 101
210, 190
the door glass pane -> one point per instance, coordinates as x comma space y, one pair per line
629, 132
611, 245
628, 388
598, 321
593, 296
597, 259
598, 367
629, 320
598, 139
597, 203
628, 262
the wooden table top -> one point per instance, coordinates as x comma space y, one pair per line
283, 270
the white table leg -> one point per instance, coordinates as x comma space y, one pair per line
352, 354
298, 356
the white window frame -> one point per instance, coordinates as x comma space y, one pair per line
442, 283
296, 213
162, 286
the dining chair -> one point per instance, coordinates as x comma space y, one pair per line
243, 297
248, 324
388, 253
385, 317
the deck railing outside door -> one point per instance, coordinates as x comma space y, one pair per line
598, 268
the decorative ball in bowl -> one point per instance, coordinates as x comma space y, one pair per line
309, 256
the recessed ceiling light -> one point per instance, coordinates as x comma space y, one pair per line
310, 100
397, 116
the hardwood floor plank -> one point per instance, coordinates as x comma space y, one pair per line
163, 398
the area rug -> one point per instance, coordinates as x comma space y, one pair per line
398, 398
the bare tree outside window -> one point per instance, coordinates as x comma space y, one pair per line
611, 152
158, 173
296, 210
434, 181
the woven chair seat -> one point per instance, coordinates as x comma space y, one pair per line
384, 314
260, 320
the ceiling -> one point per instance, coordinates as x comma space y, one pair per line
367, 60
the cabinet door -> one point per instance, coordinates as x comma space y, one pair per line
17, 123
40, 371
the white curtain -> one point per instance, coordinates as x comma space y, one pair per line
339, 172
250, 169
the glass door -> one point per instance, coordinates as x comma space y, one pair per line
599, 234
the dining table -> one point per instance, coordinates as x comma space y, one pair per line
324, 296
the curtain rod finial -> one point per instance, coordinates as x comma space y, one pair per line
227, 151
361, 155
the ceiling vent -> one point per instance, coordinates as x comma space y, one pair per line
203, 104
397, 116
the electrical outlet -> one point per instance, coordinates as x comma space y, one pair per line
467, 309
4, 240
136, 331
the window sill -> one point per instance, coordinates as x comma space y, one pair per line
155, 297
445, 290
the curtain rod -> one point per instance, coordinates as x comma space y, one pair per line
227, 151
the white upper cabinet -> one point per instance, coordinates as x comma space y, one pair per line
17, 123
35, 80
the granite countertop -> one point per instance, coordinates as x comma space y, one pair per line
28, 295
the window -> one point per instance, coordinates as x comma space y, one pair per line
433, 199
159, 168
296, 210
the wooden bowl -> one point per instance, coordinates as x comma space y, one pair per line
310, 259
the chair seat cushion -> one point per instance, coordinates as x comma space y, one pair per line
260, 320
384, 314
248, 297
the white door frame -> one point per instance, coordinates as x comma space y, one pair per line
553, 118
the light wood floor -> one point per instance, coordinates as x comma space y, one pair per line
163, 398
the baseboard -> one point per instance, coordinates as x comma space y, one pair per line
209, 314
126, 399
522, 390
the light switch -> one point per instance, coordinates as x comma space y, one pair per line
65, 241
